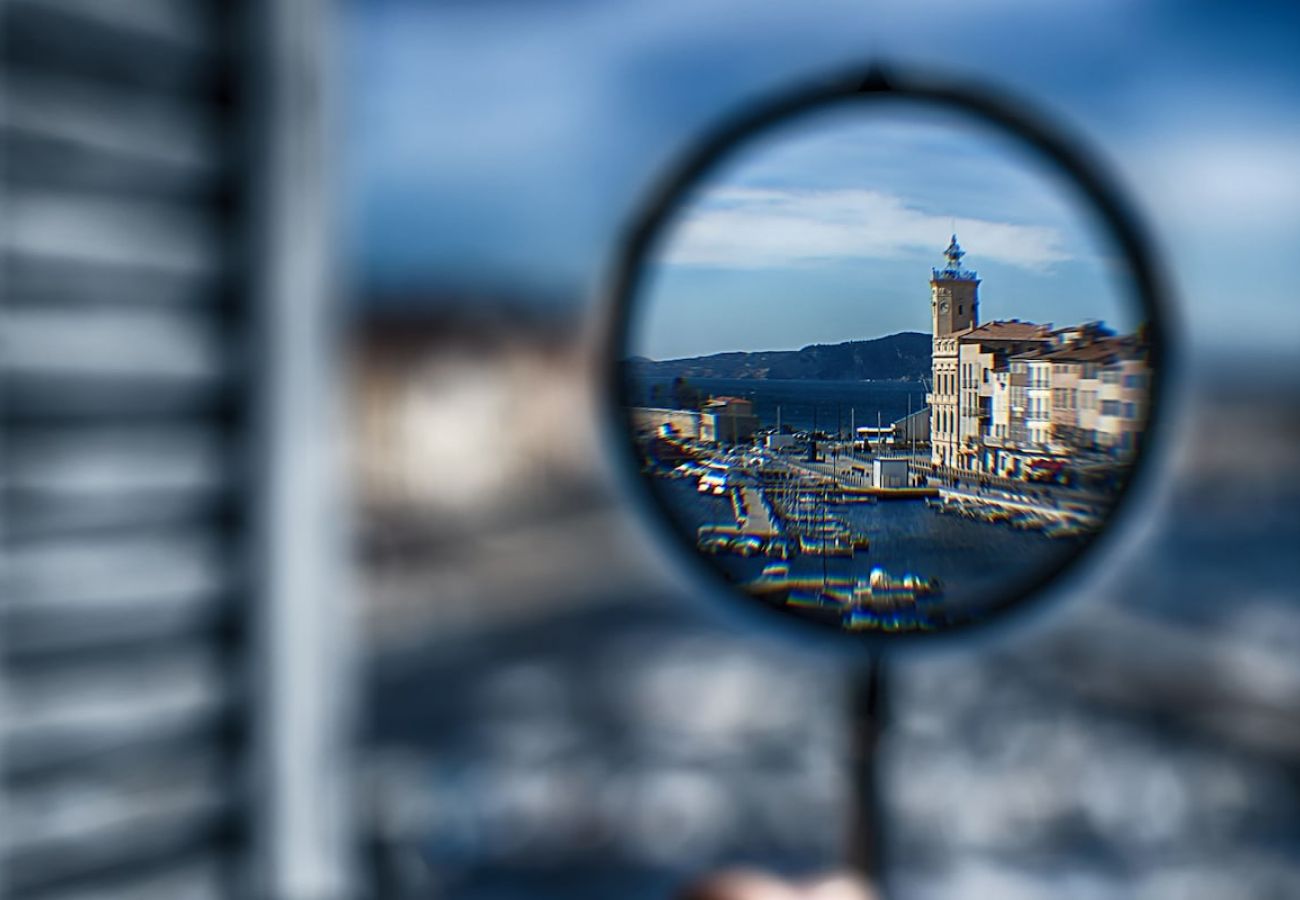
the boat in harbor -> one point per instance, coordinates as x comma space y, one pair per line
851, 498
746, 545
713, 544
720, 539
900, 618
1066, 528
828, 545
714, 481
879, 602
882, 602
880, 587
779, 548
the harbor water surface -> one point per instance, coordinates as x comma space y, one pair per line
979, 563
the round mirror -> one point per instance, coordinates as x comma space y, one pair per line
885, 358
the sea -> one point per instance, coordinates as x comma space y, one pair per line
833, 407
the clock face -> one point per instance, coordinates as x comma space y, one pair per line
943, 307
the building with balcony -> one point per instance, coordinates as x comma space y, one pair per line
1008, 391
984, 355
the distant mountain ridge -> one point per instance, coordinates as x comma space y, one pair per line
897, 357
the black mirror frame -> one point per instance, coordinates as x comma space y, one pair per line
1066, 152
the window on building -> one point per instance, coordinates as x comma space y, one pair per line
1110, 407
1135, 381
1129, 410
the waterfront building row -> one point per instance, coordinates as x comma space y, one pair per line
1005, 394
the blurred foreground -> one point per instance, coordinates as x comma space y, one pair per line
552, 715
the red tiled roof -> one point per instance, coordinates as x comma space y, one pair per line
1099, 350
1102, 350
1007, 330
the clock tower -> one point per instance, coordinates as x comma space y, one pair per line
954, 294
954, 308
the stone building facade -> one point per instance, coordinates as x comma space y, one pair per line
1007, 391
954, 308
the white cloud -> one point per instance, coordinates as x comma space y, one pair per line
748, 228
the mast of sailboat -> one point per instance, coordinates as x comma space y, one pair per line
911, 430
812, 437
839, 438
822, 536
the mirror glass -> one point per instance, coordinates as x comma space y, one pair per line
883, 366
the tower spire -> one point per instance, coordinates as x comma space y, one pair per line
954, 253
953, 270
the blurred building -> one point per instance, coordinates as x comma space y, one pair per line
682, 423
454, 418
720, 420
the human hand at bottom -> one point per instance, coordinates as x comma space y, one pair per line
749, 885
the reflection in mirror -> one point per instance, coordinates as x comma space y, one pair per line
845, 419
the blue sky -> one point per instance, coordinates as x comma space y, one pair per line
503, 146
825, 229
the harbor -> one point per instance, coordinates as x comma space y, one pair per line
997, 449
809, 537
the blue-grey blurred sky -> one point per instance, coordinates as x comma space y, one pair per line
501, 146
